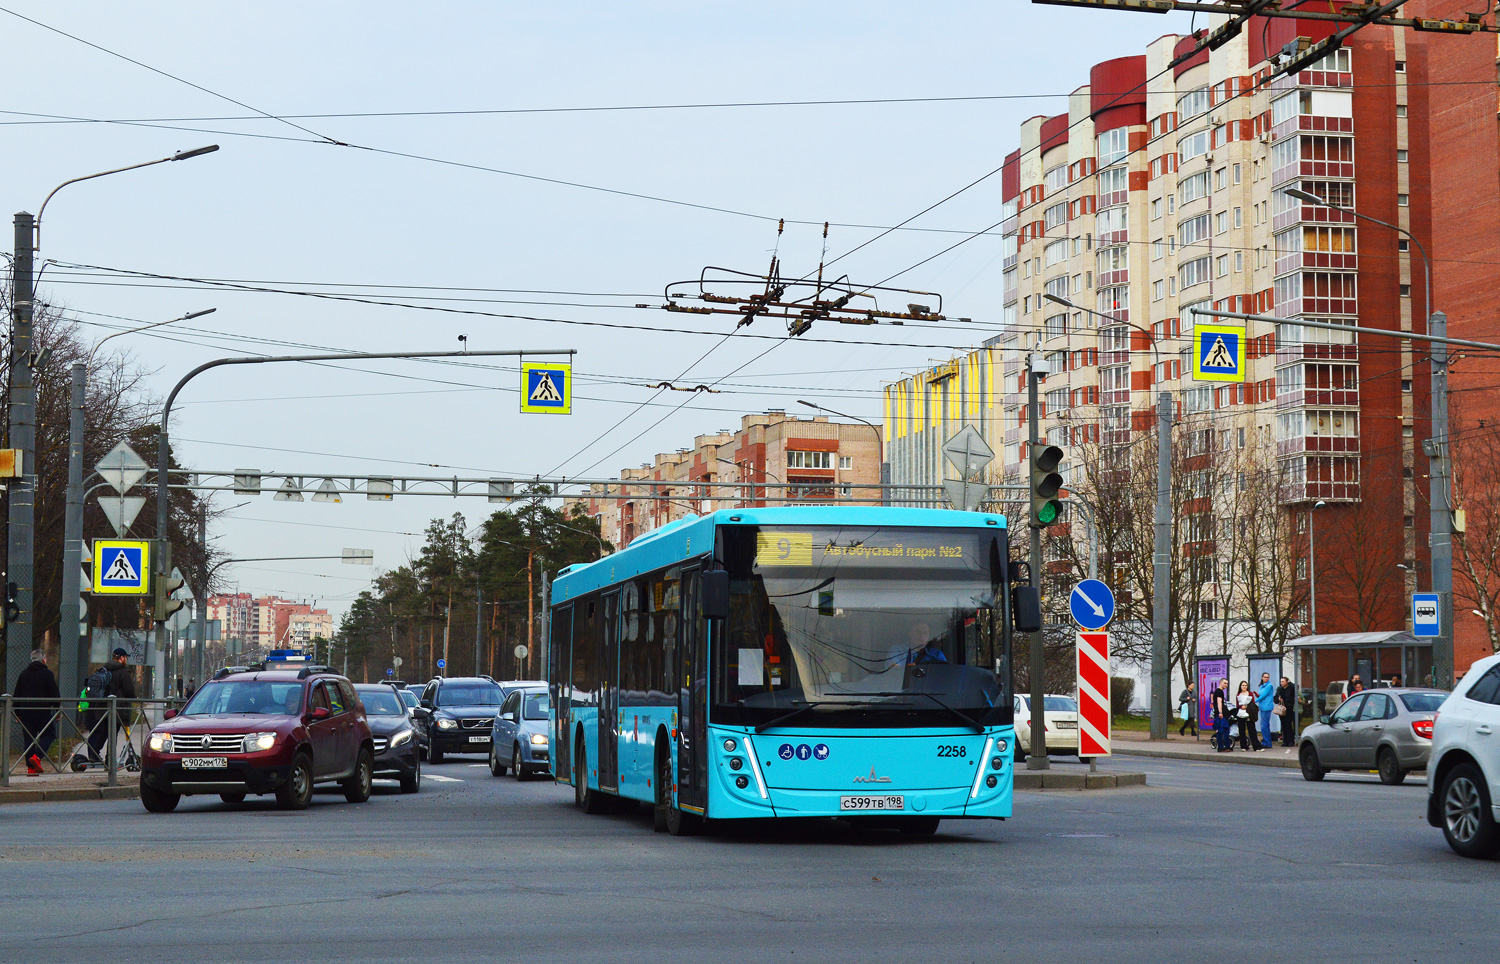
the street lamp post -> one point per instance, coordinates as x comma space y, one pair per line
885, 469
163, 563
1161, 556
21, 547
1440, 553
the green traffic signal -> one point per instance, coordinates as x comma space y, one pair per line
1046, 482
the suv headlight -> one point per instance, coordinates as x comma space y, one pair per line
400, 737
161, 742
446, 724
259, 741
538, 739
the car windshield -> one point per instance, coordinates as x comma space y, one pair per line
258, 697
1423, 702
470, 694
863, 627
536, 706
408, 697
381, 703
1054, 704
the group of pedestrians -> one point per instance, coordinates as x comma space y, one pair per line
38, 714
1239, 716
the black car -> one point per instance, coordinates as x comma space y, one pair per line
463, 709
395, 735
419, 716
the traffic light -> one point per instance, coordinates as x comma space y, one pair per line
12, 605
162, 588
1045, 483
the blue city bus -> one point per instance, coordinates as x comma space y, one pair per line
805, 661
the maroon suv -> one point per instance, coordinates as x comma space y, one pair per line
258, 730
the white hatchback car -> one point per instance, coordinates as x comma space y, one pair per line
1463, 782
1060, 722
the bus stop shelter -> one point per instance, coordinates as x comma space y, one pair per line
1376, 657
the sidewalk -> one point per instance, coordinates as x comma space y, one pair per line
51, 787
1186, 748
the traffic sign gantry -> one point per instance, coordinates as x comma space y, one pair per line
1092, 604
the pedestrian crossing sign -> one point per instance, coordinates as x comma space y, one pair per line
122, 566
547, 388
1219, 353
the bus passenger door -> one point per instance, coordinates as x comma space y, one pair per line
559, 680
692, 750
609, 695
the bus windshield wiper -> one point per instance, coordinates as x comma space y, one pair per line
968, 720
762, 727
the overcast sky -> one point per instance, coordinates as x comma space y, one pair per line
282, 207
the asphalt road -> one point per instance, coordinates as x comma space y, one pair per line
1212, 862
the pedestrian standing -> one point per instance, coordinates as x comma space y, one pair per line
1265, 699
1356, 685
1286, 702
1222, 711
119, 684
1244, 715
1187, 706
38, 720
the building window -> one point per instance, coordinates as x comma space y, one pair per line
1056, 215
1402, 200
1158, 290
1056, 326
1192, 188
1400, 66
1221, 178
1239, 261
1236, 174
1193, 272
1401, 157
1026, 305
1113, 146
846, 462
1056, 179
1400, 110
1239, 219
1156, 250
1403, 245
1170, 206
1193, 230
1406, 291
1222, 265
1155, 209
798, 459
1221, 222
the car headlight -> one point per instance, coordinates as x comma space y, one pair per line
259, 741
446, 724
400, 737
538, 739
161, 742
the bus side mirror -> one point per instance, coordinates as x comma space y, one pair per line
713, 594
1025, 609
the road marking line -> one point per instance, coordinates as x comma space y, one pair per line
442, 779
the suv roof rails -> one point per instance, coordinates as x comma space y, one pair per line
230, 670
312, 669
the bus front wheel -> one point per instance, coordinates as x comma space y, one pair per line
585, 798
666, 817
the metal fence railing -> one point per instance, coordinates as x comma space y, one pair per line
55, 735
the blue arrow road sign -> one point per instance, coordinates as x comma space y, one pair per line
1425, 620
1092, 603
442, 663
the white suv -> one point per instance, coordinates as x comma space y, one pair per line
1463, 781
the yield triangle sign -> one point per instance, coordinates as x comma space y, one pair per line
121, 468
327, 492
289, 492
121, 510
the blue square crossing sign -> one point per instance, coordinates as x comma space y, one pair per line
122, 566
1218, 353
547, 388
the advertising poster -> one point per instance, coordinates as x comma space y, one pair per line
1211, 669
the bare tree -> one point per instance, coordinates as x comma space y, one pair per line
1476, 549
1359, 584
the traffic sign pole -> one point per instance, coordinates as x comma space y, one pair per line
1093, 695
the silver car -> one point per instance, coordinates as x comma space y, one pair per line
1387, 730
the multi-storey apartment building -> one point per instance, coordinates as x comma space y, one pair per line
798, 460
1163, 188
267, 622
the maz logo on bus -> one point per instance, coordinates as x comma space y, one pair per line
872, 778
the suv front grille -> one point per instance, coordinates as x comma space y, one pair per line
381, 742
475, 724
217, 742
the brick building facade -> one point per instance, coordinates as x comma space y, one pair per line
822, 461
1162, 188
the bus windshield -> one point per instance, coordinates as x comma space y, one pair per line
863, 627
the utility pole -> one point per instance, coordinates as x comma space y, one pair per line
202, 602
1037, 760
72, 646
447, 625
546, 624
1161, 571
1440, 495
530, 608
19, 566
478, 622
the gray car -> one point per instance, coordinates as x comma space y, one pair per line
519, 740
1387, 730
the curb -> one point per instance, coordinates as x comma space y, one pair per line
1237, 758
1049, 780
64, 794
